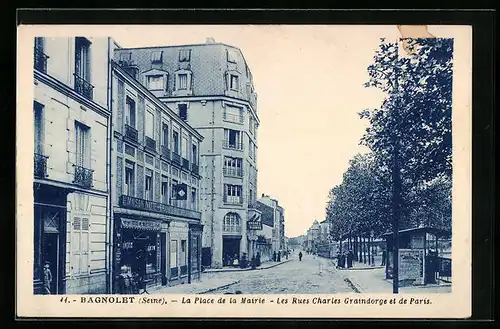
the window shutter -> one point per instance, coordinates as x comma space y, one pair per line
75, 245
85, 246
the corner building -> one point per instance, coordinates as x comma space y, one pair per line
71, 165
210, 87
156, 235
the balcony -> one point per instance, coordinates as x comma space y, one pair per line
150, 144
236, 200
176, 158
233, 145
233, 172
161, 208
131, 133
185, 164
195, 169
40, 63
165, 152
40, 165
83, 176
237, 118
83, 87
231, 229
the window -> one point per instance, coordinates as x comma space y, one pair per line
165, 134
130, 112
164, 190
183, 259
40, 59
157, 57
231, 55
194, 159
234, 82
148, 185
82, 58
184, 55
185, 150
232, 223
233, 194
172, 192
250, 197
175, 137
80, 246
82, 139
38, 127
182, 111
129, 178
233, 166
125, 58
150, 122
193, 199
156, 82
183, 81
151, 256
250, 148
173, 254
232, 139
233, 114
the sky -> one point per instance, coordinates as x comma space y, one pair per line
309, 81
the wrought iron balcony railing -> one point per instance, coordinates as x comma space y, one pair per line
195, 169
231, 229
176, 158
233, 145
83, 176
165, 152
150, 143
40, 165
185, 163
40, 63
83, 87
131, 133
233, 172
238, 118
229, 199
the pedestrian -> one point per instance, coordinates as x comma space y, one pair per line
300, 256
279, 256
384, 256
258, 259
349, 258
47, 278
286, 255
125, 282
274, 256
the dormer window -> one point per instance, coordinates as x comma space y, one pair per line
156, 82
234, 82
157, 57
184, 55
231, 56
125, 58
183, 83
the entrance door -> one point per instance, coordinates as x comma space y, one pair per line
231, 249
51, 254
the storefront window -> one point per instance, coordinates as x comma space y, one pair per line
183, 253
139, 251
173, 253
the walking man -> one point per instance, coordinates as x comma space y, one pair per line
47, 278
300, 256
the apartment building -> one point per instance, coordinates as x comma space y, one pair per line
273, 213
210, 87
71, 165
156, 185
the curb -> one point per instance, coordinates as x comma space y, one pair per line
361, 268
217, 288
247, 269
351, 285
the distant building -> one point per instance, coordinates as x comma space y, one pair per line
210, 86
271, 210
313, 235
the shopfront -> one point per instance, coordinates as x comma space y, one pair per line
139, 249
49, 239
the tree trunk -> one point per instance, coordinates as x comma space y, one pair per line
365, 250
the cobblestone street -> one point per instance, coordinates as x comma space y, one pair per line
312, 275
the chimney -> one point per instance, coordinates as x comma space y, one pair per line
210, 40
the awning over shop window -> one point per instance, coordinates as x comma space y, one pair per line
143, 225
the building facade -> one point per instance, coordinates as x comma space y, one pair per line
313, 236
156, 186
273, 213
71, 165
210, 86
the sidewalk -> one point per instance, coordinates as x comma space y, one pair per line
373, 281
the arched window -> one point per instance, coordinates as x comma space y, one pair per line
231, 223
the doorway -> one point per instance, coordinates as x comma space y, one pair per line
231, 249
51, 255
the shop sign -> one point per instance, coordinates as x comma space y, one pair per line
255, 225
141, 224
146, 205
411, 265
